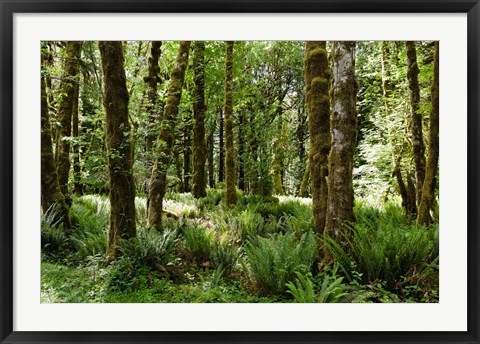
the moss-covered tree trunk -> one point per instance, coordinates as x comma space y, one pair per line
416, 118
199, 142
303, 192
153, 79
65, 114
187, 152
52, 198
231, 193
278, 159
344, 136
77, 185
165, 140
119, 145
221, 150
317, 75
241, 151
428, 192
211, 167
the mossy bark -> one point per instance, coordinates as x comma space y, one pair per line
241, 151
187, 152
153, 79
165, 140
231, 193
221, 149
199, 108
428, 192
211, 167
278, 159
77, 185
52, 198
416, 118
317, 76
305, 181
65, 111
119, 144
344, 136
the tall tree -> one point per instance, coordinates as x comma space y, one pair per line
221, 149
153, 79
65, 114
416, 118
428, 191
407, 191
187, 150
199, 142
52, 197
211, 167
344, 134
317, 75
119, 145
165, 141
231, 193
77, 185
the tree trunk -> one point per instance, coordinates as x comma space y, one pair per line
344, 135
153, 79
241, 152
52, 198
187, 150
231, 193
78, 188
416, 118
317, 75
199, 142
211, 167
119, 144
69, 79
165, 139
428, 192
221, 151
405, 191
305, 182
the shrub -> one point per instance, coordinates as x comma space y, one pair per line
273, 262
53, 239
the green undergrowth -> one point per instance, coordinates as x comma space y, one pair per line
262, 250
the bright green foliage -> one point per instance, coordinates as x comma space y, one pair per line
383, 248
272, 262
199, 241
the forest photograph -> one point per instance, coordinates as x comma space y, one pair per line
239, 171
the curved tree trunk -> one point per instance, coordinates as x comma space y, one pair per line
416, 118
344, 135
428, 191
231, 193
52, 197
77, 185
119, 146
317, 75
165, 139
65, 111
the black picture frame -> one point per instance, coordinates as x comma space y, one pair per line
10, 7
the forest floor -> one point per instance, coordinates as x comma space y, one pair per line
262, 250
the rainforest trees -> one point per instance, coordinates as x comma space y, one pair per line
165, 140
119, 145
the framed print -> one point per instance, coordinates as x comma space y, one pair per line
242, 171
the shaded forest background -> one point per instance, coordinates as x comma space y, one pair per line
258, 171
